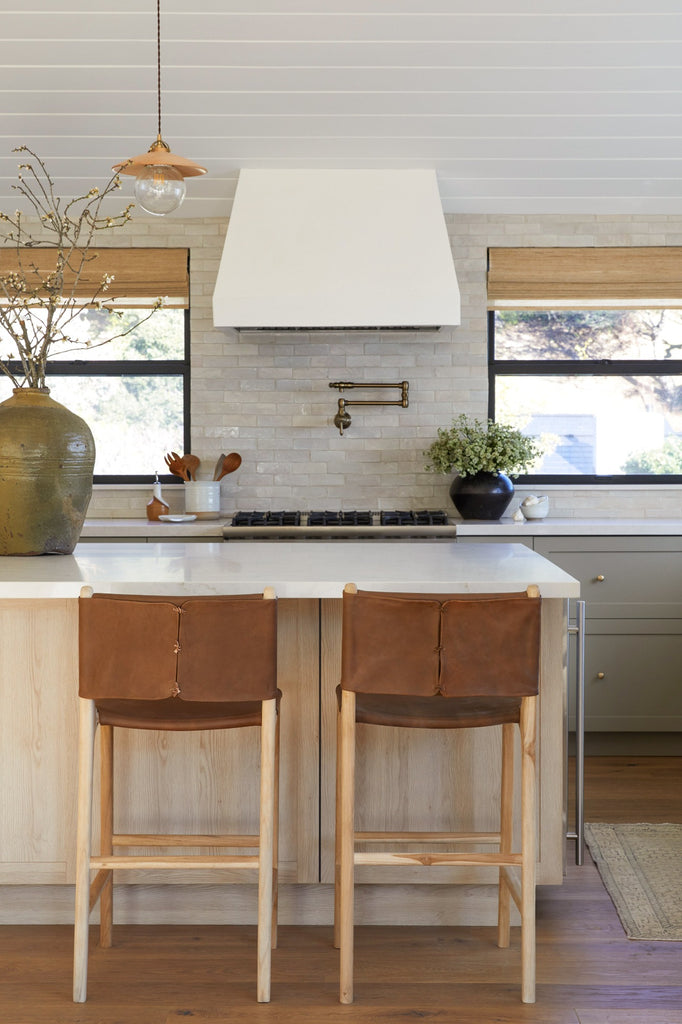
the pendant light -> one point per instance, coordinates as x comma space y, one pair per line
159, 174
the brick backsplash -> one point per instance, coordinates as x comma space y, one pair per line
267, 395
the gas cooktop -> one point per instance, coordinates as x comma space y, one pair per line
353, 523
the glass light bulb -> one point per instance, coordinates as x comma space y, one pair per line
159, 189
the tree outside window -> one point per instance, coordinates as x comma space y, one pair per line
603, 388
132, 392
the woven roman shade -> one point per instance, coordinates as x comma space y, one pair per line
609, 277
141, 276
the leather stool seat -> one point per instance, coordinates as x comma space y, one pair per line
401, 711
176, 715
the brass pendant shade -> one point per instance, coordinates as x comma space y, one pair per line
159, 153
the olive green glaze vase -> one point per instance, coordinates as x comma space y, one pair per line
47, 455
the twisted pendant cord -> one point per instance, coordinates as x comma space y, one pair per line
158, 59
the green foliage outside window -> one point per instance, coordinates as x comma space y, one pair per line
605, 384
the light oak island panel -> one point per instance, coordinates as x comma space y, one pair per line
180, 781
195, 780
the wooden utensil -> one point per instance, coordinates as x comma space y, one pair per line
230, 463
191, 463
176, 465
218, 466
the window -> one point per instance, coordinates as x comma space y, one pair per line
601, 387
132, 392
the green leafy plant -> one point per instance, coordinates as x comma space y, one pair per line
42, 296
470, 447
657, 461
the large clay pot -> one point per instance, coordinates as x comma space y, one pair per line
47, 455
482, 495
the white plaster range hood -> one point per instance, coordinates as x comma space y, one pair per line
336, 250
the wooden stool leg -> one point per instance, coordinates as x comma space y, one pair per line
86, 744
275, 845
528, 851
265, 866
106, 905
506, 829
347, 850
337, 838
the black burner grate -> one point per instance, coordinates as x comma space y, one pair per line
352, 518
266, 519
424, 517
248, 519
356, 519
393, 517
431, 517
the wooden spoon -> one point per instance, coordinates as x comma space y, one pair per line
191, 463
230, 463
176, 465
218, 466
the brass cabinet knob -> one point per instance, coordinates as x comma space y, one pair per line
600, 578
601, 675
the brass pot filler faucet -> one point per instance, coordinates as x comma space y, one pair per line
342, 419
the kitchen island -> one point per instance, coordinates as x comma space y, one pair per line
184, 781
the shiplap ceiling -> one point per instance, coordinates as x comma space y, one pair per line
521, 106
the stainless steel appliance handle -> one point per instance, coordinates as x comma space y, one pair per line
577, 629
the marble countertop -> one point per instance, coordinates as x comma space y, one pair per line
506, 528
143, 528
557, 527
296, 570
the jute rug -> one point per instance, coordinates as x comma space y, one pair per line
641, 867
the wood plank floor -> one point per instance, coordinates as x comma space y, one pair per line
588, 971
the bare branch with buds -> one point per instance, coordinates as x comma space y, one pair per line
39, 305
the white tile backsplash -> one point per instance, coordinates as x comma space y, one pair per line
267, 395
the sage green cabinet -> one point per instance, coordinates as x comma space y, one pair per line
632, 587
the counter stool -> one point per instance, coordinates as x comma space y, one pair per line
430, 661
176, 664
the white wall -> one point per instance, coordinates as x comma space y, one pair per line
267, 396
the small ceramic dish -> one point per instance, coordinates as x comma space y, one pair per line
535, 506
176, 519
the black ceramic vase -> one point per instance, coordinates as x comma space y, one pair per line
481, 496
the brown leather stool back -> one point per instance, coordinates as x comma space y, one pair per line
194, 648
436, 645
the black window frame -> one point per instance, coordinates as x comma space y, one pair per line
573, 367
131, 368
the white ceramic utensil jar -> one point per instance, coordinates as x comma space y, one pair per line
202, 498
